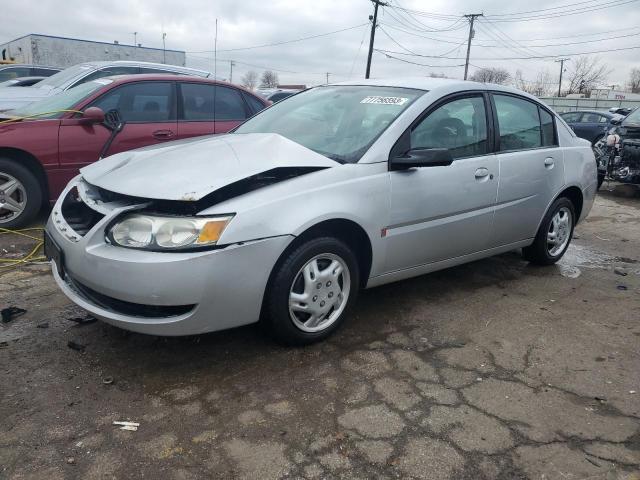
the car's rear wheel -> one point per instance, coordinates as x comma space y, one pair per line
20, 195
554, 234
312, 291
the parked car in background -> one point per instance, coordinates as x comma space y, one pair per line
39, 155
338, 188
17, 70
591, 125
280, 94
82, 73
21, 82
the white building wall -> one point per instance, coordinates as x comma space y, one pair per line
65, 52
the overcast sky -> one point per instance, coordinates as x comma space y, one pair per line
244, 23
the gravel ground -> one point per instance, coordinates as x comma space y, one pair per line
496, 369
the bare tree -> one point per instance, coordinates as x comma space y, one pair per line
541, 86
269, 79
634, 80
586, 73
250, 80
491, 75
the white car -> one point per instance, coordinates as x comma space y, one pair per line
338, 188
12, 98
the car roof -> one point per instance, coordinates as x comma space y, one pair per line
434, 84
599, 112
168, 77
29, 65
132, 63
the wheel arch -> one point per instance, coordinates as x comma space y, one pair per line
32, 164
574, 194
346, 230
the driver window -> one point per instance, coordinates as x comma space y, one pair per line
459, 126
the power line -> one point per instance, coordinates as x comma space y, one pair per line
419, 64
521, 58
562, 14
286, 41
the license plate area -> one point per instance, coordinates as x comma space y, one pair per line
53, 252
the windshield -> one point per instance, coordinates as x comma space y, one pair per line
63, 101
633, 117
60, 79
339, 122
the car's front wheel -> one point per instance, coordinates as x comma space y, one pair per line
20, 194
312, 291
554, 234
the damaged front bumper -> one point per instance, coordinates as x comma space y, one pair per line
160, 293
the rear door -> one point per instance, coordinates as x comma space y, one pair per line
593, 126
148, 109
531, 167
206, 108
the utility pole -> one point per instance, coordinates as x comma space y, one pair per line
561, 61
135, 39
231, 64
164, 49
374, 20
328, 77
472, 18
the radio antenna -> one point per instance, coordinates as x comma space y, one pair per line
215, 75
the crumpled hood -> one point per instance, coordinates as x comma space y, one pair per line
16, 97
191, 169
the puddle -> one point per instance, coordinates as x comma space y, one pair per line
578, 256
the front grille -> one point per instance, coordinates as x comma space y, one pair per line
128, 308
77, 214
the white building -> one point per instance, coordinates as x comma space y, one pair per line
64, 52
608, 94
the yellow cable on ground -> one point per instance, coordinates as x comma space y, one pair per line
32, 256
26, 117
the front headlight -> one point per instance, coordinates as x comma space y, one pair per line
150, 232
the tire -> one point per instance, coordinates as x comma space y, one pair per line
26, 195
600, 179
316, 290
541, 252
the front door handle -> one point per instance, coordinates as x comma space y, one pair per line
548, 163
163, 134
481, 173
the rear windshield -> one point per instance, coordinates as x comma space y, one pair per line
340, 122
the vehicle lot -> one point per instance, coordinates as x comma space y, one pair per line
495, 369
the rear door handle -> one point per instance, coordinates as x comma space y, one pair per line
548, 163
163, 134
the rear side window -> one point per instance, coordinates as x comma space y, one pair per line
13, 72
518, 123
107, 72
572, 117
229, 104
548, 130
254, 104
145, 102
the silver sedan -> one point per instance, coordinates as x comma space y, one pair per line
338, 188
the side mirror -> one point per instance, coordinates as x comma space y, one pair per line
92, 115
616, 121
422, 157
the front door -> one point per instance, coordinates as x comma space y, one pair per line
444, 212
149, 112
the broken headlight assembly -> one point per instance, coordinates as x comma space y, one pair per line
163, 233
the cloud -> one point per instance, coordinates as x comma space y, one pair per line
190, 26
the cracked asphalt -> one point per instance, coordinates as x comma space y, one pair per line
491, 370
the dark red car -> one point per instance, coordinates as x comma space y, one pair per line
39, 155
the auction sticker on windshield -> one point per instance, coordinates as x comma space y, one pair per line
385, 100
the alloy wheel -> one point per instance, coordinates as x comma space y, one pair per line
559, 232
13, 197
319, 292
